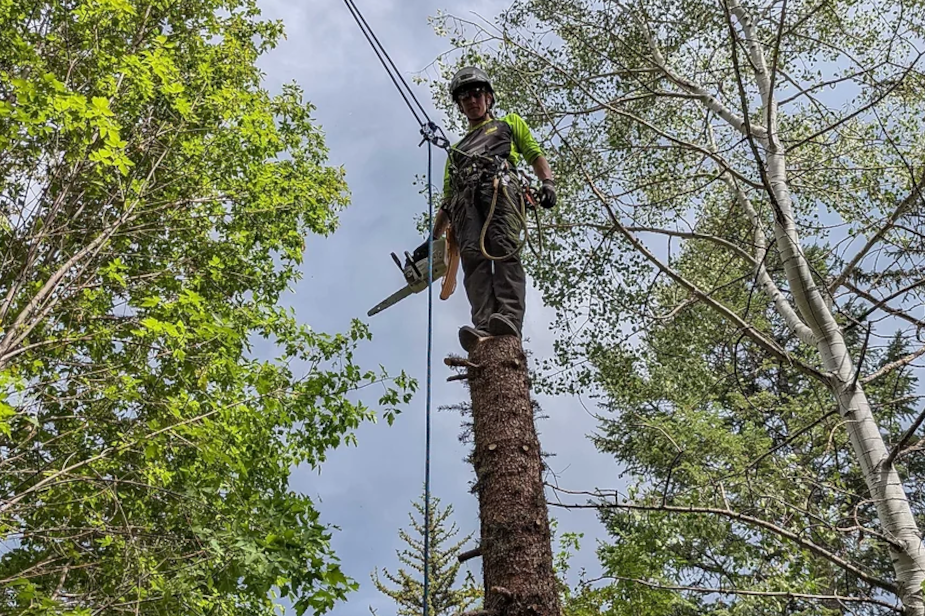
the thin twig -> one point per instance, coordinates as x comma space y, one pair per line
902, 442
755, 593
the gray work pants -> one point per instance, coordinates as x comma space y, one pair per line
491, 286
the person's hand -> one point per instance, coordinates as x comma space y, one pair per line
548, 194
420, 252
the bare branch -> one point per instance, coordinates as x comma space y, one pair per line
469, 554
739, 517
881, 304
915, 195
695, 236
899, 363
756, 593
905, 439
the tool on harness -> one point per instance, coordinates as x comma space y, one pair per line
531, 197
415, 273
534, 197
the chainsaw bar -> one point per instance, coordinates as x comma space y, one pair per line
415, 274
394, 298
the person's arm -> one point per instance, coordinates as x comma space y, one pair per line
526, 144
541, 168
548, 189
441, 222
442, 219
532, 152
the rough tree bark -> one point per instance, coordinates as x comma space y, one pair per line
515, 536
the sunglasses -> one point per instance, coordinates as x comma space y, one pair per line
471, 92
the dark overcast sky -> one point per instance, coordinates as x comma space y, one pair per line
367, 490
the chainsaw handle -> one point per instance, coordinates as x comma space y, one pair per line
414, 265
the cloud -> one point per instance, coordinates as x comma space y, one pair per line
367, 491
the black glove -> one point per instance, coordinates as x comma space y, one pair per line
420, 252
548, 194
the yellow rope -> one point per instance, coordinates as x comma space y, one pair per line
521, 216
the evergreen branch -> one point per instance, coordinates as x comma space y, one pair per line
791, 438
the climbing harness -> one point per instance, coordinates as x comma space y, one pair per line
525, 197
502, 177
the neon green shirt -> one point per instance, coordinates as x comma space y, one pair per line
508, 137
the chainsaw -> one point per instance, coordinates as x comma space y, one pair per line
415, 273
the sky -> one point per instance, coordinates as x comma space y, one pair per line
367, 490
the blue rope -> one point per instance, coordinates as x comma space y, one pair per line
430, 335
433, 135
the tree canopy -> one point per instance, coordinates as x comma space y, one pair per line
154, 200
737, 269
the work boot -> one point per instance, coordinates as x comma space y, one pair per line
470, 336
500, 325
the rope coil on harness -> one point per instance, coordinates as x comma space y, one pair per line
500, 182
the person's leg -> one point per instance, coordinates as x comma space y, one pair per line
509, 279
510, 290
477, 278
467, 223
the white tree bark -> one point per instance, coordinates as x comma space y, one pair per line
886, 488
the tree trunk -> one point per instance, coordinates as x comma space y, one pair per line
886, 487
515, 542
884, 483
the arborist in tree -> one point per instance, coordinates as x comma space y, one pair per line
484, 209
